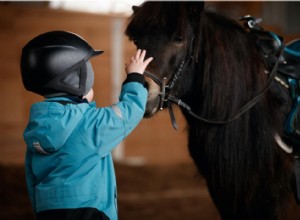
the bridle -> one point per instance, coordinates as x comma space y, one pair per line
166, 90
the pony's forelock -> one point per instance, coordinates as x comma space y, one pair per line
155, 19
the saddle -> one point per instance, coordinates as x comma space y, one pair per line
290, 70
288, 74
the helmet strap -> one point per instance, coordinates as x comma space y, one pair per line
60, 85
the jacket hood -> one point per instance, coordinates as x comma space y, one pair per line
51, 124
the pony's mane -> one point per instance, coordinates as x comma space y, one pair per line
231, 60
232, 72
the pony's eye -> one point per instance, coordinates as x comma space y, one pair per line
178, 39
134, 41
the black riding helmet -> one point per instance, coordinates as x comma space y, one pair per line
57, 63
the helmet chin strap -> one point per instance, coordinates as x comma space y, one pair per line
72, 81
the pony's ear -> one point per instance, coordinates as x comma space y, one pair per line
135, 8
195, 7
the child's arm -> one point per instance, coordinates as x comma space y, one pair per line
113, 124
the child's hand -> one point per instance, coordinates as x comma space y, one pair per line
137, 63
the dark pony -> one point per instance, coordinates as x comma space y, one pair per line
218, 68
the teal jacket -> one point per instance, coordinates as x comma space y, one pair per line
68, 158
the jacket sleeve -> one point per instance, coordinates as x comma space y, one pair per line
113, 124
30, 181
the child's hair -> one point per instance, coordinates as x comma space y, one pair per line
57, 63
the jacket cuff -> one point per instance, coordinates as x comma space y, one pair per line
135, 77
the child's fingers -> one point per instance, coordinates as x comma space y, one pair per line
147, 61
138, 54
143, 54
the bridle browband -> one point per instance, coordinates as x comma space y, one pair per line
166, 90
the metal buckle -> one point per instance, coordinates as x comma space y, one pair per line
163, 94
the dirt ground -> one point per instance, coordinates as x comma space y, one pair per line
144, 192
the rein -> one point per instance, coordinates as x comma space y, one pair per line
242, 110
166, 89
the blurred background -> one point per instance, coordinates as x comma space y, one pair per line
156, 177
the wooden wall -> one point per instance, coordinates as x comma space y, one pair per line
154, 139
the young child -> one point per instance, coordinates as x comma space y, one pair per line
69, 167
